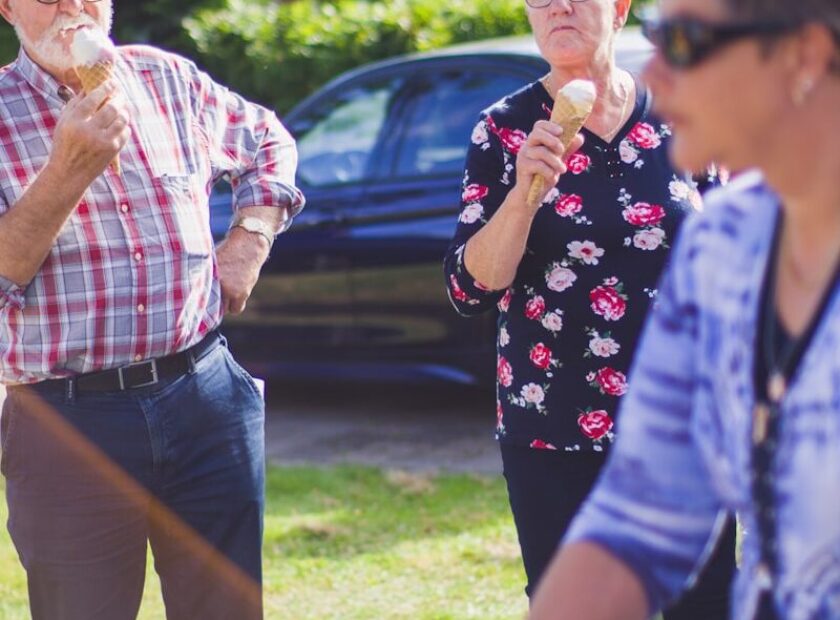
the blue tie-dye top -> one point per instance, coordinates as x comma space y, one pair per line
684, 450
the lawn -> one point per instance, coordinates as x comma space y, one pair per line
359, 543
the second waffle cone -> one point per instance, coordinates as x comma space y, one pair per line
571, 118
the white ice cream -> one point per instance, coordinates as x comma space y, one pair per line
580, 92
91, 46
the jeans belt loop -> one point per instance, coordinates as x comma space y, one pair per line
70, 390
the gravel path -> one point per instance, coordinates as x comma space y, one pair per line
416, 428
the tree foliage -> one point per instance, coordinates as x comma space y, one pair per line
158, 22
279, 51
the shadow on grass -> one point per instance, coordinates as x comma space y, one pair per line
350, 510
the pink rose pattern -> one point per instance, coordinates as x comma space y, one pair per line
645, 136
474, 193
595, 424
525, 370
643, 214
608, 301
578, 163
568, 205
609, 381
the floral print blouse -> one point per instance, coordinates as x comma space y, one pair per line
569, 323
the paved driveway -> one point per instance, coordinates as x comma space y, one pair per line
417, 428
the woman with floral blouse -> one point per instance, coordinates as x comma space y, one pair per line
573, 277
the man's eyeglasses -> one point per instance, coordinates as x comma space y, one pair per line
541, 4
685, 42
57, 1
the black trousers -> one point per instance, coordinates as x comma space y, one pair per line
546, 488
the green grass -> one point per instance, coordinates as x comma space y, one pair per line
358, 543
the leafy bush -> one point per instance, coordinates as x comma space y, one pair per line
279, 53
158, 22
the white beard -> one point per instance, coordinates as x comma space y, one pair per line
48, 49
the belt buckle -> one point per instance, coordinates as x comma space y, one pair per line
152, 364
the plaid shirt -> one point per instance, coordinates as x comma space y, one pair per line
132, 275
684, 444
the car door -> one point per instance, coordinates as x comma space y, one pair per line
300, 313
406, 219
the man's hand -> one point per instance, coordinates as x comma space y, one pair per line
90, 132
240, 257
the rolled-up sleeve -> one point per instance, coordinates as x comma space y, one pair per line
248, 142
654, 507
483, 190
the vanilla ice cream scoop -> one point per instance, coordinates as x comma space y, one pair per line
580, 93
91, 46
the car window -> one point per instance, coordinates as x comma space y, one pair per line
442, 118
340, 134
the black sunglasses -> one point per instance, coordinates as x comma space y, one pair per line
685, 42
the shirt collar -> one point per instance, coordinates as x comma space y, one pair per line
37, 77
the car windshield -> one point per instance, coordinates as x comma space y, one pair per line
341, 135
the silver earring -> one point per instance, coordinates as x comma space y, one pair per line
803, 89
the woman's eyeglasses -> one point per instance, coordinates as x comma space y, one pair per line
685, 42
57, 1
541, 4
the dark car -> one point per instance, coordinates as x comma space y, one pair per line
354, 290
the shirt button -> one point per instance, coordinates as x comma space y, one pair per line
138, 358
124, 208
141, 308
138, 256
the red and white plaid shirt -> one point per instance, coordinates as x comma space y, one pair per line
132, 275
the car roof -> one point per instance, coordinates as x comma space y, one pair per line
632, 49
630, 39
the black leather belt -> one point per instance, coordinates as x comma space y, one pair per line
137, 375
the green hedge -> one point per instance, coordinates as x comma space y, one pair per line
279, 53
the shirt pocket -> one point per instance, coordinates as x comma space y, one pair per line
183, 199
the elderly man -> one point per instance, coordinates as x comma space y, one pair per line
111, 293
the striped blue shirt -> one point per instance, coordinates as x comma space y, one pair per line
684, 450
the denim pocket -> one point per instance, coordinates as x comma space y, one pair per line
243, 374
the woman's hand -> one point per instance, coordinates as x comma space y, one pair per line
543, 155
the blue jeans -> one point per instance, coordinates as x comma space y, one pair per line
91, 477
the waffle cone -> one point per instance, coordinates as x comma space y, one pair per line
92, 77
571, 118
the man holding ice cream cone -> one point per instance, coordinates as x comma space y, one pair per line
127, 421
